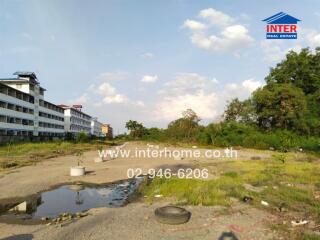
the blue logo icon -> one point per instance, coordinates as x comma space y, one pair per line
281, 26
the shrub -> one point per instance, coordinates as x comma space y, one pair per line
82, 137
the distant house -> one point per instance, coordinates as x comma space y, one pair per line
107, 130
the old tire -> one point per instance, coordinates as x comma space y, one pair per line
172, 215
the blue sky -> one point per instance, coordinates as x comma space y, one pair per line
148, 60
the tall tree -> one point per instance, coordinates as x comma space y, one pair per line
183, 128
136, 129
300, 69
281, 106
240, 111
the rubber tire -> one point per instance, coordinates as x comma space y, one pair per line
172, 215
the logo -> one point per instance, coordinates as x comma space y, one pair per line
281, 26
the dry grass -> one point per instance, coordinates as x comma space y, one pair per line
23, 154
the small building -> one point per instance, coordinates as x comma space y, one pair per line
23, 110
96, 128
107, 130
75, 120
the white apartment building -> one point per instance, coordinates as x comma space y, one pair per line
96, 128
75, 120
23, 110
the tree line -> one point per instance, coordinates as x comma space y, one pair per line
284, 113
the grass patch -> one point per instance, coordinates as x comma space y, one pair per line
288, 182
198, 192
310, 236
23, 154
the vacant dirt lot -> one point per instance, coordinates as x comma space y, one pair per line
134, 221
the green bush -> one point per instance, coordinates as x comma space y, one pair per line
240, 134
82, 137
232, 133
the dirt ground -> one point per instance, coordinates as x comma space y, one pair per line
134, 221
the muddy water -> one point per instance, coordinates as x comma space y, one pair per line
75, 198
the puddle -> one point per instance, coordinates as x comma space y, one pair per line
74, 199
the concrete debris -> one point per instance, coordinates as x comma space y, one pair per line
66, 218
299, 223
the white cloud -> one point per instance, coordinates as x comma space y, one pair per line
184, 83
200, 93
194, 25
171, 107
110, 94
251, 85
140, 103
231, 38
216, 17
149, 78
241, 90
147, 55
228, 37
114, 76
311, 36
214, 80
274, 52
83, 99
185, 90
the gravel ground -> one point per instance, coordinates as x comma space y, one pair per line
135, 221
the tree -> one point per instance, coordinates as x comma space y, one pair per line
136, 129
281, 106
190, 115
240, 111
184, 128
299, 69
302, 70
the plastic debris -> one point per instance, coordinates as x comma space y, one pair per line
264, 203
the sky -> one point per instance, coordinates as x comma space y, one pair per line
148, 60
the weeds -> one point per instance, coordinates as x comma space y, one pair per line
279, 158
23, 154
283, 181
